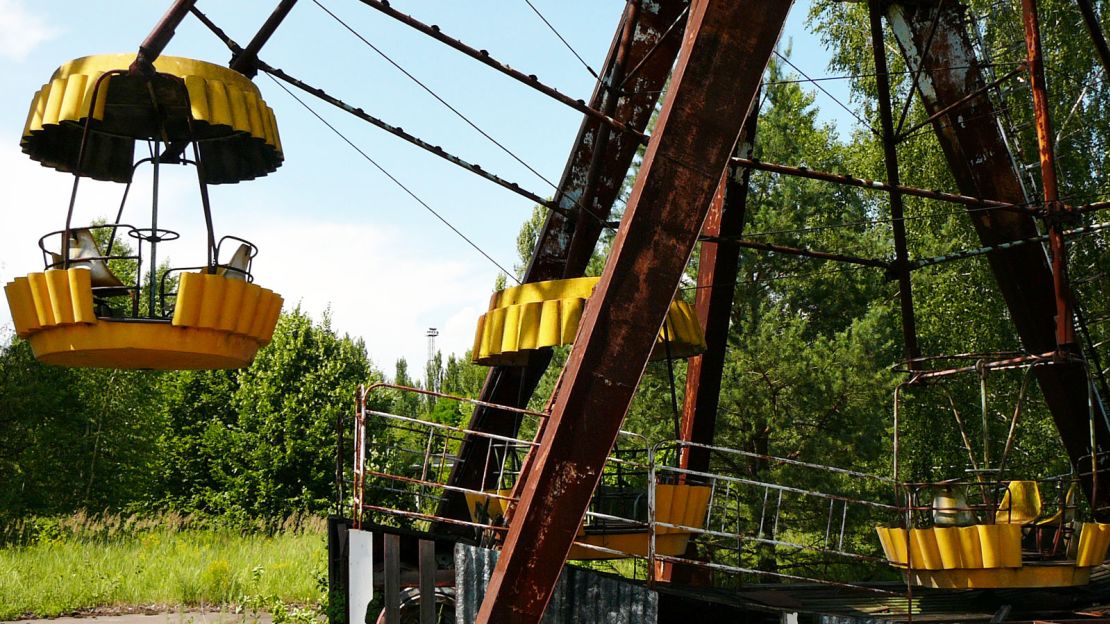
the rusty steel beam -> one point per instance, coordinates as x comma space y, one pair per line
1090, 19
718, 267
980, 161
1055, 211
725, 50
653, 52
900, 267
160, 36
245, 62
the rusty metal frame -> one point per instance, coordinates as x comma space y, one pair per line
713, 86
631, 99
980, 160
899, 268
718, 267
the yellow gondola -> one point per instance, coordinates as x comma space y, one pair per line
79, 311
546, 314
680, 505
1008, 536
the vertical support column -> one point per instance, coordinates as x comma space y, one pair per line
391, 594
900, 266
1054, 209
718, 265
427, 581
725, 51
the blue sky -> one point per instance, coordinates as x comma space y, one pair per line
332, 230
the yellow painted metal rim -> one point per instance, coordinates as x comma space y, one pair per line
546, 314
632, 544
217, 323
227, 107
145, 345
1032, 575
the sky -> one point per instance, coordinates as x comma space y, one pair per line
334, 233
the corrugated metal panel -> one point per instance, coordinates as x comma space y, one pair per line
582, 596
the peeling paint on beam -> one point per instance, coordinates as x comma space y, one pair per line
725, 51
981, 163
653, 51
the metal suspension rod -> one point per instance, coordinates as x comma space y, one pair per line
483, 57
244, 62
363, 115
979, 251
400, 133
900, 266
841, 178
796, 251
158, 38
1093, 27
1065, 327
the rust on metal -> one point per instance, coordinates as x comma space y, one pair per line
654, 53
244, 62
900, 267
713, 86
980, 161
718, 266
1054, 209
151, 47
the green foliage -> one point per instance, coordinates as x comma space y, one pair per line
259, 442
74, 439
165, 560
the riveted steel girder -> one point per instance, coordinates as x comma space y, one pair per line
718, 266
981, 163
635, 71
725, 50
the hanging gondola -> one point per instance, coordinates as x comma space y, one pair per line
99, 304
996, 525
546, 314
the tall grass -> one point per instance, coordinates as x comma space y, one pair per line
53, 566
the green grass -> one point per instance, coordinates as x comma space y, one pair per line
82, 563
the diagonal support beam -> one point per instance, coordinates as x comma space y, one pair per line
647, 39
725, 50
718, 267
981, 163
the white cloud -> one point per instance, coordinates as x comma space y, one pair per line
21, 31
